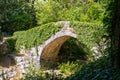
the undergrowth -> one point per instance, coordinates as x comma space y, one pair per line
98, 70
63, 71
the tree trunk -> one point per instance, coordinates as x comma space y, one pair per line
116, 35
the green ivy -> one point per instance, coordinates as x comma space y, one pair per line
33, 37
89, 34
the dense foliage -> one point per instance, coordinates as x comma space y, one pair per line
98, 70
15, 15
112, 21
65, 70
70, 10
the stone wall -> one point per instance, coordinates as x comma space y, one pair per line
9, 73
20, 67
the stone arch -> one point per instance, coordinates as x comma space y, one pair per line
50, 51
52, 46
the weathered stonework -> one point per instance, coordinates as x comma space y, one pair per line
21, 67
37, 56
49, 50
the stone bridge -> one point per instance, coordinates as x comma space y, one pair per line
47, 52
43, 55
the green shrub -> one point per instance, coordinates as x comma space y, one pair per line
15, 15
64, 70
11, 44
21, 21
69, 68
102, 69
42, 74
47, 11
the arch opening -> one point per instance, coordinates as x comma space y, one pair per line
60, 50
50, 52
72, 50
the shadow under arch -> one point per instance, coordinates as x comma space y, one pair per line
52, 52
72, 50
